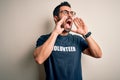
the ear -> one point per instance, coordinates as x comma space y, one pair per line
55, 19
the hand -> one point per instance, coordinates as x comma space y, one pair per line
58, 29
80, 25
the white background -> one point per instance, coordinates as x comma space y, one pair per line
23, 21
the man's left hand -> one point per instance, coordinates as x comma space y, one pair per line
80, 25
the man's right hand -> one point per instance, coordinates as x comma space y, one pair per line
58, 29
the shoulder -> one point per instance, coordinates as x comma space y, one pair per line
81, 41
75, 36
44, 37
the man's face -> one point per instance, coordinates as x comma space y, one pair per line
66, 11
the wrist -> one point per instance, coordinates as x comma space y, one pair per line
87, 35
55, 33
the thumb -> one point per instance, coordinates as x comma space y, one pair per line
62, 29
63, 19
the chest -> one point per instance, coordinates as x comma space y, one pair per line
66, 50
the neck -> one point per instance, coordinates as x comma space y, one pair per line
64, 33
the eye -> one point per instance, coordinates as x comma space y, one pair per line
72, 12
65, 12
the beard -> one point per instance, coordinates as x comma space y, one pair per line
67, 30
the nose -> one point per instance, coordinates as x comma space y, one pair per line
69, 14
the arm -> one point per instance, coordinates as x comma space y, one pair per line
93, 48
43, 52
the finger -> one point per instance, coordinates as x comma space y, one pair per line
79, 21
63, 19
76, 22
82, 22
62, 29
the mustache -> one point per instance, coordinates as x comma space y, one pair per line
66, 19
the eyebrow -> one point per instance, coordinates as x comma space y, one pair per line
65, 10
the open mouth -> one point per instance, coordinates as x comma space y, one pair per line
68, 25
69, 22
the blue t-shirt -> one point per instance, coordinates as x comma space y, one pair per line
64, 63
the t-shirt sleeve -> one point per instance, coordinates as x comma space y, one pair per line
41, 40
83, 44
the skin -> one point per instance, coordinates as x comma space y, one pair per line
42, 52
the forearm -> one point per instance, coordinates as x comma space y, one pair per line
43, 52
94, 49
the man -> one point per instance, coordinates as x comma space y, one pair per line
61, 51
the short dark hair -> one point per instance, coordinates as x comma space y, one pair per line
57, 9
